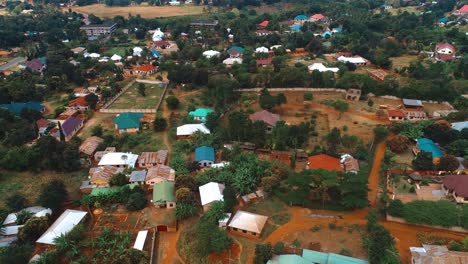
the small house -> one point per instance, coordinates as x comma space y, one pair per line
211, 53
262, 32
162, 44
187, 130
263, 62
119, 160
150, 159
300, 19
231, 61
101, 175
205, 156
463, 11
247, 224
266, 117
64, 224
396, 115
200, 114
324, 161
89, 145
210, 193
163, 195
415, 114
140, 240
353, 94
412, 104
159, 173
444, 51
78, 103
145, 69
263, 24
42, 126
457, 186
137, 177
318, 18
460, 125
349, 164
128, 122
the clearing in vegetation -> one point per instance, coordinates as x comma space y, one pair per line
132, 99
104, 11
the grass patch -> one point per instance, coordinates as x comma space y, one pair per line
144, 141
29, 183
145, 11
116, 50
268, 207
132, 99
248, 246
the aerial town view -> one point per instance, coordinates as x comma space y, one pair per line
233, 132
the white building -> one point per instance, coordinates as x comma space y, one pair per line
211, 192
232, 61
188, 129
211, 53
356, 60
119, 159
158, 35
64, 224
322, 68
261, 50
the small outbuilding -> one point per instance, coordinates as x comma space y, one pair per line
205, 156
163, 195
247, 224
210, 193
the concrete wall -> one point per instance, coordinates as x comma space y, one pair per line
403, 221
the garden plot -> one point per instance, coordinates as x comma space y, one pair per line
133, 99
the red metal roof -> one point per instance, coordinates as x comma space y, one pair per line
264, 62
457, 183
264, 23
396, 113
324, 161
464, 9
79, 101
317, 17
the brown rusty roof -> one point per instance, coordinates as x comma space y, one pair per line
350, 164
162, 172
90, 145
159, 156
265, 116
103, 173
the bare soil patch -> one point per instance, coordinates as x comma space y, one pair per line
230, 254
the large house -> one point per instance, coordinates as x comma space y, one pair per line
150, 159
163, 195
64, 224
266, 117
457, 186
210, 193
96, 30
159, 173
78, 103
356, 60
324, 161
200, 114
444, 51
69, 128
396, 115
205, 156
187, 130
128, 122
322, 68
119, 160
247, 224
432, 254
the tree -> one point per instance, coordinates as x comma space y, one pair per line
185, 195
172, 102
118, 179
370, 102
266, 100
22, 217
184, 181
324, 180
380, 133
132, 256
212, 120
263, 253
92, 100
379, 242
159, 123
15, 202
141, 89
136, 201
340, 106
398, 143
52, 195
448, 163
334, 140
269, 183
423, 161
184, 211
33, 229
17, 253
97, 131
395, 208
230, 199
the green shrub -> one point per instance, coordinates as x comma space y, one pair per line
395, 208
278, 248
332, 226
308, 96
345, 252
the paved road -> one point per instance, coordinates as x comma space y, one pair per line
11, 63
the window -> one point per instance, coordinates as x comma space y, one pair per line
235, 229
243, 231
254, 234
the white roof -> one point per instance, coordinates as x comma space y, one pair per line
460, 125
321, 68
211, 192
116, 57
140, 239
104, 60
261, 50
117, 158
276, 47
64, 224
248, 221
231, 61
37, 211
158, 35
211, 53
11, 230
220, 165
189, 129
137, 51
94, 55
354, 60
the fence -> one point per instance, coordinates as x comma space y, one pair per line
118, 111
294, 90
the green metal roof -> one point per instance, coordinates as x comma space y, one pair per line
103, 191
163, 191
128, 120
288, 259
312, 256
239, 49
203, 112
204, 153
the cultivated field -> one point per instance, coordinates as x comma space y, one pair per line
103, 11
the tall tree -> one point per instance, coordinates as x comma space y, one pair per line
53, 195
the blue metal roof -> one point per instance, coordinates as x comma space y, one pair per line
296, 28
16, 108
301, 17
204, 153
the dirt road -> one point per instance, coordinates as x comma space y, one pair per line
372, 195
